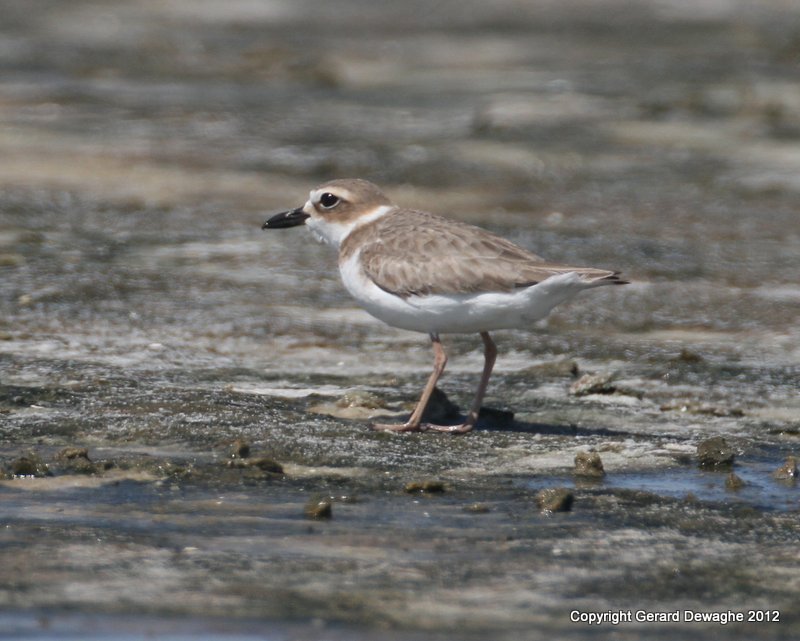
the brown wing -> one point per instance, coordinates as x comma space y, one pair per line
411, 253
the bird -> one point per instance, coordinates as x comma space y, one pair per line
423, 272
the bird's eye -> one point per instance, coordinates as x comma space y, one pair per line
328, 200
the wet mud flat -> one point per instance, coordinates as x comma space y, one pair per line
424, 533
184, 399
184, 492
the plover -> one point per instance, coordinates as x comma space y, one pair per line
425, 273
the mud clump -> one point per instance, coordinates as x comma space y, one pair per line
30, 465
266, 464
355, 404
555, 499
476, 508
71, 453
358, 398
715, 453
425, 487
263, 463
703, 409
687, 357
593, 384
734, 482
553, 369
318, 509
788, 471
75, 460
589, 465
257, 469
239, 449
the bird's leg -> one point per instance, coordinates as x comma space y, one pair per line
489, 357
413, 423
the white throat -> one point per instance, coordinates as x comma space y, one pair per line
332, 232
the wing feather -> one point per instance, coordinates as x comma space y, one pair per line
450, 257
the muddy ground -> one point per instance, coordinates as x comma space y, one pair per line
184, 398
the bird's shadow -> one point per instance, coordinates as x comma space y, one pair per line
510, 424
547, 429
499, 421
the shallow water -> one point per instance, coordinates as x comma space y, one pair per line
760, 491
147, 318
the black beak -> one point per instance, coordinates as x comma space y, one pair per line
290, 218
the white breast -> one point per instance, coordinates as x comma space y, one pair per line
333, 232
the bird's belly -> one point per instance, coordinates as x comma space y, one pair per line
445, 314
462, 313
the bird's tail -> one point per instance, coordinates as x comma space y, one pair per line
587, 277
599, 277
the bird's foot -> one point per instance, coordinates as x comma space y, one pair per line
448, 429
395, 427
421, 427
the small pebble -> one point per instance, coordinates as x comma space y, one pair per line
555, 499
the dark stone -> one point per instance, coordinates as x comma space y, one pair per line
715, 452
